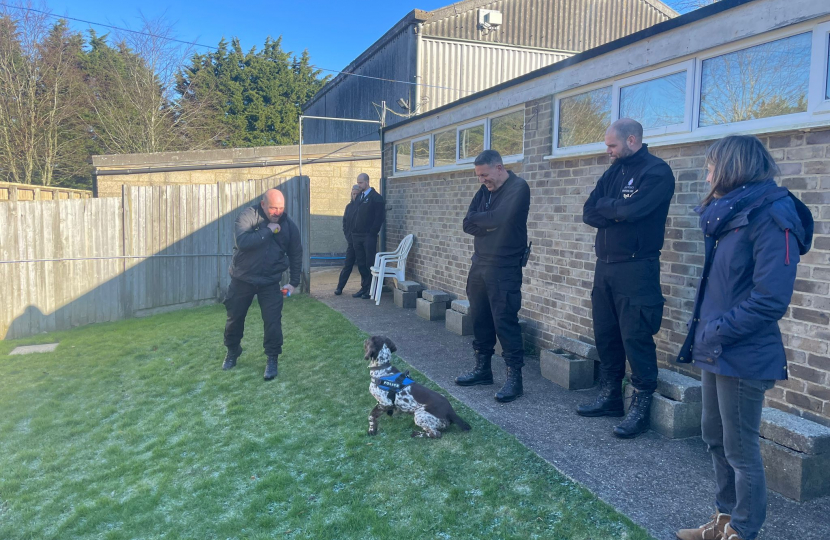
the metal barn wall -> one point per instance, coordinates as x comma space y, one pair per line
468, 67
574, 25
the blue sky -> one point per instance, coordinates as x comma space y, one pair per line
334, 33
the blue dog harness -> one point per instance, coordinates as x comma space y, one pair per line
393, 384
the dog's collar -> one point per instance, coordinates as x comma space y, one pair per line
381, 366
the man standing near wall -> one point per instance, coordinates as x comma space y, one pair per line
369, 216
348, 224
628, 207
267, 242
497, 219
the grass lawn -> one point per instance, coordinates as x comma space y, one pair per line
131, 430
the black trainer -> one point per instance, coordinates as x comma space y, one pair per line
481, 374
638, 419
338, 291
271, 368
231, 358
512, 388
609, 402
359, 293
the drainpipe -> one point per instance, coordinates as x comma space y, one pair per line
419, 43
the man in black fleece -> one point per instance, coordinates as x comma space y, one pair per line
497, 219
628, 207
348, 223
368, 219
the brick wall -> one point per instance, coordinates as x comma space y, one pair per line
558, 278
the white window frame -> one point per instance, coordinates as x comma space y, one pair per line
432, 135
817, 102
683, 127
459, 129
746, 125
581, 148
499, 114
395, 153
412, 166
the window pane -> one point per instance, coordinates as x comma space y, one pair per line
583, 118
420, 153
443, 148
827, 88
655, 103
471, 142
402, 156
762, 81
507, 133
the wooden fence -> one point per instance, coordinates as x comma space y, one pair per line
66, 263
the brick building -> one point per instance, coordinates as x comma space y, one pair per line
673, 78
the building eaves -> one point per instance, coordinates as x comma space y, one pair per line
665, 26
413, 17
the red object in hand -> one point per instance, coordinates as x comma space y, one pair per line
285, 292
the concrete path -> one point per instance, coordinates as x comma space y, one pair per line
661, 484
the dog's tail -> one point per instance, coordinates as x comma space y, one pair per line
458, 421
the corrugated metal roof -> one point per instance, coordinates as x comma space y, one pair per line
469, 67
575, 25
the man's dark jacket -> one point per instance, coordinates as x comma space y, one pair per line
753, 237
260, 256
629, 206
348, 219
370, 213
498, 221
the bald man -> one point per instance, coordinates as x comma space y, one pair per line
628, 208
368, 219
266, 244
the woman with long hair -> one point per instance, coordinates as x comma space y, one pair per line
754, 233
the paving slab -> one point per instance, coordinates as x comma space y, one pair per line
661, 484
32, 349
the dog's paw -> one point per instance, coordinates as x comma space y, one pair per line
372, 432
418, 434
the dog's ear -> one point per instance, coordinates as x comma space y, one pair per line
389, 343
372, 346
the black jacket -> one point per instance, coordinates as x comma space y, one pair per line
371, 212
629, 206
498, 221
348, 219
260, 256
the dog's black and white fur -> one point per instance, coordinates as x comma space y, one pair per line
432, 411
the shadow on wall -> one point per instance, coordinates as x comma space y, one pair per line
158, 248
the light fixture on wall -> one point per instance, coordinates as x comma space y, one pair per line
403, 104
488, 20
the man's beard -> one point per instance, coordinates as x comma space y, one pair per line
624, 153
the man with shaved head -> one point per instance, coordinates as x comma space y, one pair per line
368, 219
266, 244
628, 207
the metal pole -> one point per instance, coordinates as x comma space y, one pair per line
301, 145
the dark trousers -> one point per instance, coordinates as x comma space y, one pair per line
347, 265
495, 296
730, 423
238, 300
365, 248
627, 310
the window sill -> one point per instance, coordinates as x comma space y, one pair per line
509, 160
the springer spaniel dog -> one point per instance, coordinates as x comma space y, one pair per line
395, 390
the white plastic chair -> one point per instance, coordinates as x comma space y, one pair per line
382, 269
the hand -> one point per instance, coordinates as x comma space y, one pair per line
289, 288
275, 227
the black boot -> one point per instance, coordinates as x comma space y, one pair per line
231, 358
512, 386
271, 368
481, 374
639, 416
609, 402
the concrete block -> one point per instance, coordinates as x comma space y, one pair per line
410, 286
670, 418
574, 346
31, 349
794, 432
435, 296
522, 325
566, 369
461, 306
459, 323
678, 387
404, 299
431, 311
794, 474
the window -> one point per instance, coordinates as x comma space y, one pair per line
507, 133
420, 153
470, 142
583, 118
827, 68
766, 80
402, 156
656, 103
443, 148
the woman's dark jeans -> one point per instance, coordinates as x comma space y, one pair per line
731, 422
